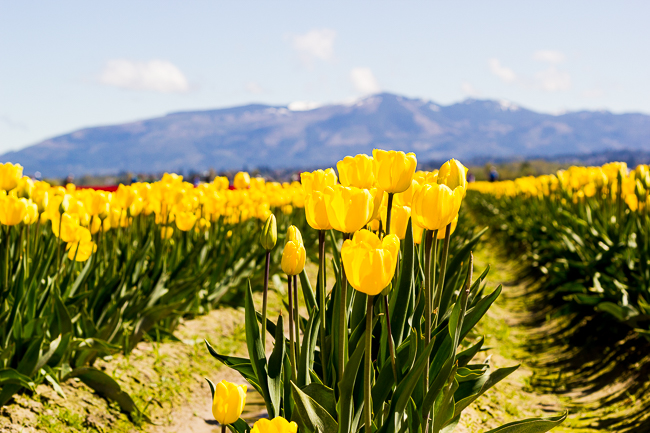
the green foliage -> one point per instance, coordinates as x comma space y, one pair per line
59, 317
589, 254
326, 401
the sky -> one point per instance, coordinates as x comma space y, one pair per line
66, 65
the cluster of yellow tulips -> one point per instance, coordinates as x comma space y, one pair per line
371, 206
77, 214
579, 183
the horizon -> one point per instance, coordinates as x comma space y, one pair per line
74, 64
344, 102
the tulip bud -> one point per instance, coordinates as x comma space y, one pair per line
293, 234
453, 174
293, 257
269, 235
242, 180
65, 204
25, 188
228, 401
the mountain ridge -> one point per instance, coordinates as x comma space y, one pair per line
275, 136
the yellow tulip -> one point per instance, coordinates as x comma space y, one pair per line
276, 425
406, 198
316, 211
242, 180
379, 199
9, 175
124, 196
317, 180
293, 257
25, 187
293, 234
436, 206
31, 216
228, 402
356, 171
68, 225
348, 208
185, 221
12, 210
399, 219
81, 249
453, 174
370, 262
394, 170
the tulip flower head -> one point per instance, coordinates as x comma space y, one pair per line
242, 180
348, 208
275, 425
394, 170
356, 171
10, 174
436, 206
399, 220
294, 254
452, 173
370, 262
317, 180
228, 402
12, 210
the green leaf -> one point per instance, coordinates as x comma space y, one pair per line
275, 365
312, 414
531, 425
256, 352
471, 390
239, 426
308, 292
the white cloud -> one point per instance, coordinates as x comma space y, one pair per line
364, 80
549, 56
254, 88
506, 74
315, 44
155, 75
552, 80
469, 90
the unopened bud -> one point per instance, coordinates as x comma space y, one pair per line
453, 174
293, 234
269, 235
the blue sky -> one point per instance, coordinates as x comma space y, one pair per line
71, 64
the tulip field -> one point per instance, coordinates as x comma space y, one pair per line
384, 336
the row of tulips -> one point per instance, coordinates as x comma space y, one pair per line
585, 231
395, 352
85, 273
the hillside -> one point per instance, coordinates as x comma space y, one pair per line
276, 136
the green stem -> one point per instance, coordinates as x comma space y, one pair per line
296, 315
428, 239
391, 344
443, 271
367, 398
7, 236
291, 345
321, 284
265, 297
343, 318
223, 429
389, 211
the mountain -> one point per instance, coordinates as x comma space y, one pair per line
279, 137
